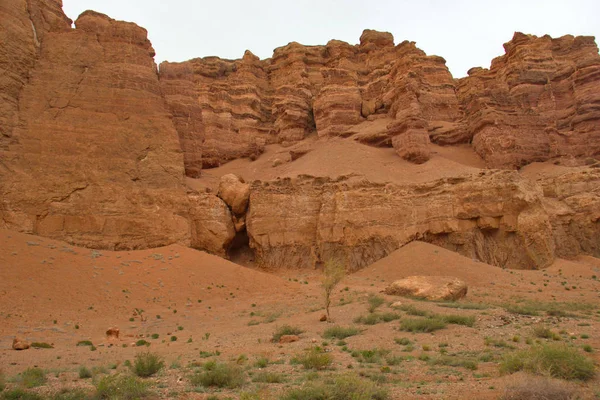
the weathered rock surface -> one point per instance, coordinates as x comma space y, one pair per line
235, 193
493, 216
433, 288
538, 101
20, 344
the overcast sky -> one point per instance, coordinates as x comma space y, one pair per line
467, 33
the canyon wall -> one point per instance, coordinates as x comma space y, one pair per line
96, 143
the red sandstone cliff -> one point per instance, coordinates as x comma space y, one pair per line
95, 143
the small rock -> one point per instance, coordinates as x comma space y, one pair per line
289, 338
323, 318
112, 333
20, 344
429, 287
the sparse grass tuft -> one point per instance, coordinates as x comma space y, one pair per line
32, 377
85, 343
269, 377
454, 361
2, 381
542, 332
372, 356
422, 324
147, 364
71, 394
465, 306
340, 332
219, 375
285, 330
314, 358
41, 345
455, 319
555, 360
20, 394
122, 387
341, 387
528, 387
412, 310
374, 302
84, 373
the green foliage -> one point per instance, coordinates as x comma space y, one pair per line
219, 375
85, 343
412, 310
374, 302
341, 387
269, 377
71, 394
20, 394
455, 319
453, 361
314, 358
147, 364
402, 341
340, 332
41, 345
122, 387
285, 330
376, 318
32, 377
465, 306
543, 332
84, 373
142, 342
333, 273
555, 360
372, 356
422, 324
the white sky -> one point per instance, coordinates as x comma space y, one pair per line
467, 33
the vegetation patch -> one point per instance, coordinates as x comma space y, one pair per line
285, 330
221, 375
340, 387
529, 387
314, 358
340, 332
41, 345
555, 360
126, 387
32, 377
422, 324
147, 364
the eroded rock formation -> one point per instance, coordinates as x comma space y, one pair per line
95, 144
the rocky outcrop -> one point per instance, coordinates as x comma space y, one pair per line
538, 101
573, 202
494, 216
95, 158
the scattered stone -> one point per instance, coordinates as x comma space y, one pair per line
429, 287
323, 318
112, 333
289, 338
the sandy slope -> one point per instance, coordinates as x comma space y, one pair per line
42, 281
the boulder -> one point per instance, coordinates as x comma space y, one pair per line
429, 288
235, 193
20, 344
112, 333
289, 338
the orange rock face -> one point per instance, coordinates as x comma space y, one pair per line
540, 100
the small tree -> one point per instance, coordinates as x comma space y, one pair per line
333, 273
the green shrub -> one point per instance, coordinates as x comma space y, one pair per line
543, 332
33, 377
147, 364
268, 377
219, 375
375, 318
20, 394
71, 394
465, 306
341, 387
85, 343
285, 330
2, 381
372, 356
465, 320
41, 345
455, 362
422, 324
412, 310
314, 358
261, 362
539, 388
84, 373
402, 341
558, 361
142, 342
339, 332
122, 387
374, 302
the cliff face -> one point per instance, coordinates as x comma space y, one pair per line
96, 143
94, 157
540, 100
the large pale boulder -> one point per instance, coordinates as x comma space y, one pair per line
235, 193
429, 287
